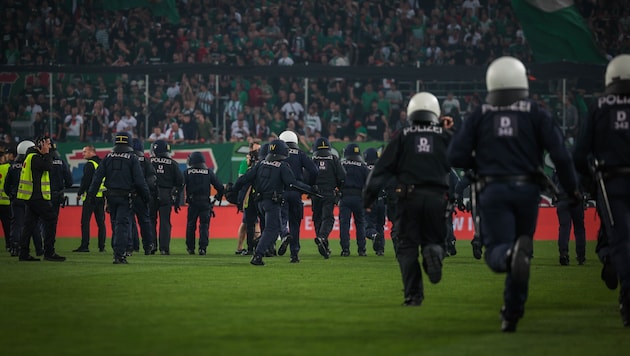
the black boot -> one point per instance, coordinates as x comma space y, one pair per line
257, 260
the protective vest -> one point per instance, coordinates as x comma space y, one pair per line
25, 188
4, 170
102, 188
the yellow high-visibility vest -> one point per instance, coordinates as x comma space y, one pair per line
4, 170
25, 188
102, 188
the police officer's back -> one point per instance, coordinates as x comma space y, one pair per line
141, 208
123, 176
198, 180
417, 158
330, 178
351, 203
169, 184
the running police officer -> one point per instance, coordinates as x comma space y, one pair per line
94, 206
18, 207
169, 184
141, 208
270, 177
330, 178
351, 203
375, 218
503, 141
35, 191
417, 158
197, 180
607, 139
304, 170
123, 176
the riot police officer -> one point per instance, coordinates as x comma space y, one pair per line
94, 206
169, 184
351, 203
417, 158
503, 141
375, 218
330, 178
197, 180
293, 209
270, 177
35, 191
607, 139
18, 206
123, 176
141, 208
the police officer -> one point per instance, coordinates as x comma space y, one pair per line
18, 207
569, 215
375, 217
35, 191
253, 218
91, 207
607, 139
351, 203
6, 159
417, 158
141, 208
270, 178
123, 176
293, 209
330, 178
197, 180
169, 184
60, 179
503, 141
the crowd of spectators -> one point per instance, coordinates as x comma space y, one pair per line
187, 109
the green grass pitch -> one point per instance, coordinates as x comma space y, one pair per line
219, 304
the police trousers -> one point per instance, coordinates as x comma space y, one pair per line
292, 214
271, 228
141, 212
323, 215
96, 208
200, 211
375, 224
571, 216
351, 205
36, 210
120, 215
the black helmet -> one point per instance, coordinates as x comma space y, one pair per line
370, 155
263, 151
278, 151
137, 145
160, 148
122, 138
196, 159
322, 144
352, 152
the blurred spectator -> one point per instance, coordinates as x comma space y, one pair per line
74, 126
157, 134
450, 103
239, 130
292, 109
312, 121
205, 128
174, 134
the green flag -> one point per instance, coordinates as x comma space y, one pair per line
556, 31
166, 8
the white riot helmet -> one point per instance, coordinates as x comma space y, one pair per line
506, 81
290, 138
424, 108
618, 75
24, 146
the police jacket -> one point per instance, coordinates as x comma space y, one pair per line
330, 172
147, 170
356, 175
122, 173
88, 174
301, 164
13, 177
510, 141
269, 177
39, 164
60, 175
606, 135
197, 180
416, 156
167, 172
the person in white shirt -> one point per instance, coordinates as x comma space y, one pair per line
129, 120
174, 134
74, 126
312, 121
292, 109
173, 90
449, 103
33, 107
233, 107
157, 134
239, 129
285, 60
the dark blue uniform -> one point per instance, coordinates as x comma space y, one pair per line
169, 184
91, 207
293, 209
330, 178
197, 181
569, 215
351, 205
18, 210
505, 146
375, 221
270, 177
60, 179
607, 138
123, 176
141, 211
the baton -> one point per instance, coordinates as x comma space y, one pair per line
305, 191
599, 177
